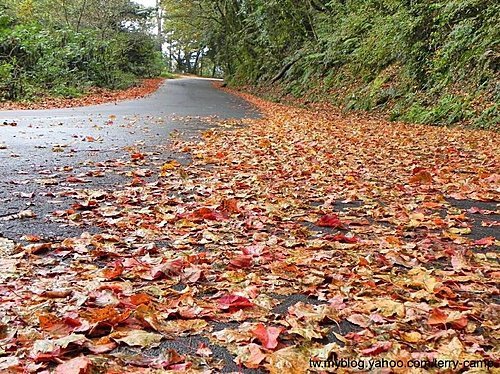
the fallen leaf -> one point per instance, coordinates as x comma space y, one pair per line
330, 220
268, 336
77, 365
231, 301
140, 338
437, 317
250, 356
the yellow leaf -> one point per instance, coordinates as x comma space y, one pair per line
460, 231
288, 360
411, 337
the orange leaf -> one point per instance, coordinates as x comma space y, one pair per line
31, 238
140, 298
437, 317
115, 271
229, 206
109, 315
422, 177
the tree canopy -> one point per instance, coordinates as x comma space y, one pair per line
62, 47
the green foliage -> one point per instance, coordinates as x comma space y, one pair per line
64, 58
425, 61
167, 74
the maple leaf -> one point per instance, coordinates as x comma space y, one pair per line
232, 301
250, 355
45, 351
206, 213
203, 350
168, 166
73, 179
114, 271
140, 338
288, 360
101, 345
31, 238
140, 298
108, 315
77, 365
330, 220
377, 348
437, 317
148, 316
58, 326
137, 156
341, 238
412, 337
229, 206
421, 176
488, 241
268, 336
241, 261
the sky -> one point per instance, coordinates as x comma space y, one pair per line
146, 2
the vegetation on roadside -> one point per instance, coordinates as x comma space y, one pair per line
433, 62
62, 48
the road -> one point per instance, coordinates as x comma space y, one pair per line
52, 154
48, 146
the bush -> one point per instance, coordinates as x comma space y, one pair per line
35, 60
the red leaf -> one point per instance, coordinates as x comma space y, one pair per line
137, 156
102, 345
58, 326
268, 336
173, 267
208, 214
460, 323
48, 356
77, 365
242, 261
437, 317
377, 348
234, 302
329, 220
488, 241
341, 238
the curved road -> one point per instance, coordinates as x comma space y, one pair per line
47, 146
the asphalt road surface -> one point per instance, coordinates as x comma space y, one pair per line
46, 146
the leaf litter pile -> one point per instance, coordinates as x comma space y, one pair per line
94, 96
296, 237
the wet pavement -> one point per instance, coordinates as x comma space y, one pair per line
45, 148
